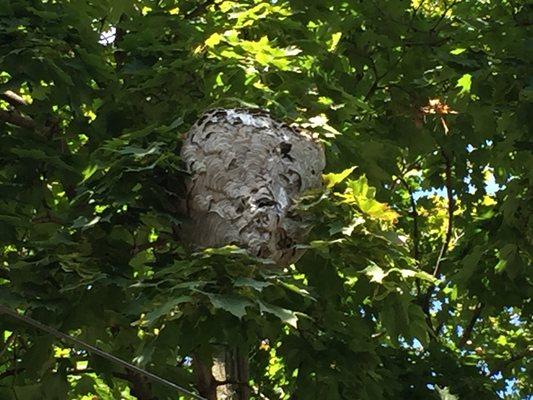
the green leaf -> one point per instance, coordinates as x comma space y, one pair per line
375, 273
233, 304
142, 258
84, 222
92, 199
171, 306
465, 82
286, 316
444, 393
29, 392
213, 40
141, 152
333, 179
252, 283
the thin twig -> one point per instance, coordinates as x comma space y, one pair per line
419, 7
200, 9
448, 8
451, 209
414, 15
414, 213
376, 80
513, 8
378, 77
446, 243
416, 231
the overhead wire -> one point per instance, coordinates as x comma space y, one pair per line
95, 350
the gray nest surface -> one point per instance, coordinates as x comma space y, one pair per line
246, 170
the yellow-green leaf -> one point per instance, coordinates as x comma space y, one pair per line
332, 179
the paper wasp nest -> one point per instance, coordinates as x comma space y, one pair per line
246, 169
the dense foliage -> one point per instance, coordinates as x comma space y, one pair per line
417, 281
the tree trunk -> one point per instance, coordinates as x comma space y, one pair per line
225, 378
230, 370
205, 381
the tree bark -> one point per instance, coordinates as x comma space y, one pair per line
205, 381
231, 372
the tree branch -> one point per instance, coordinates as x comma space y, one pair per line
119, 54
414, 213
506, 363
81, 371
14, 117
467, 333
419, 7
230, 382
10, 372
139, 386
4, 274
12, 98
